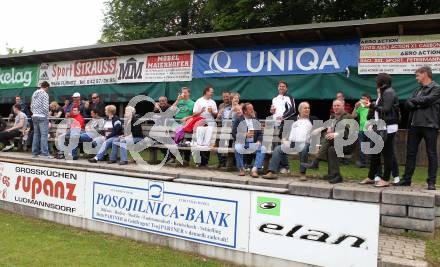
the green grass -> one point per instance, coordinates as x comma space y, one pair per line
349, 172
352, 172
433, 249
32, 242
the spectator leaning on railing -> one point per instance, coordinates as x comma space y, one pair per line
40, 111
17, 130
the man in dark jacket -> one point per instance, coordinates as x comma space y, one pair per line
424, 106
248, 137
96, 105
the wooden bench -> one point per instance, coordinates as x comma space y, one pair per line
223, 142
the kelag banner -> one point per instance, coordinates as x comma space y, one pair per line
19, 77
399, 54
309, 58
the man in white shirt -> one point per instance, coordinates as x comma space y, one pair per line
207, 108
299, 140
283, 106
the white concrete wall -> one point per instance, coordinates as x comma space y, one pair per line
233, 256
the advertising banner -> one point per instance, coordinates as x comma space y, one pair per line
399, 54
19, 77
315, 231
79, 72
57, 190
160, 67
309, 58
215, 216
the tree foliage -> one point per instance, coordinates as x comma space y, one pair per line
139, 19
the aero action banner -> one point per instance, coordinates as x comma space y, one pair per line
51, 189
309, 58
320, 232
79, 72
399, 54
160, 67
19, 77
210, 215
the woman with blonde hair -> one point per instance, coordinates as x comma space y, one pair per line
112, 131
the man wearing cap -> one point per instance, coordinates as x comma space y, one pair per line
77, 103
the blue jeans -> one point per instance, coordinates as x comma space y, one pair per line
122, 143
40, 144
106, 145
259, 157
280, 159
83, 137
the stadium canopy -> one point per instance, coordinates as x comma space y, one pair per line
262, 87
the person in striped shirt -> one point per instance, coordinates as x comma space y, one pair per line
40, 119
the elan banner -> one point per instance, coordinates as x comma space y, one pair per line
19, 77
57, 190
308, 58
79, 72
215, 216
399, 54
320, 232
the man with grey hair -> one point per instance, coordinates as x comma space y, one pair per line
299, 140
327, 152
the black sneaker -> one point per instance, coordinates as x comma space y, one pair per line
111, 161
313, 165
123, 162
403, 182
93, 160
336, 179
431, 186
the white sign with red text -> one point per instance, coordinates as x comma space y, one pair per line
80, 72
159, 67
399, 54
57, 190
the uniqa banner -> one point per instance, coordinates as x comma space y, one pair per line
159, 67
19, 77
57, 190
316, 231
80, 72
308, 58
399, 54
210, 215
